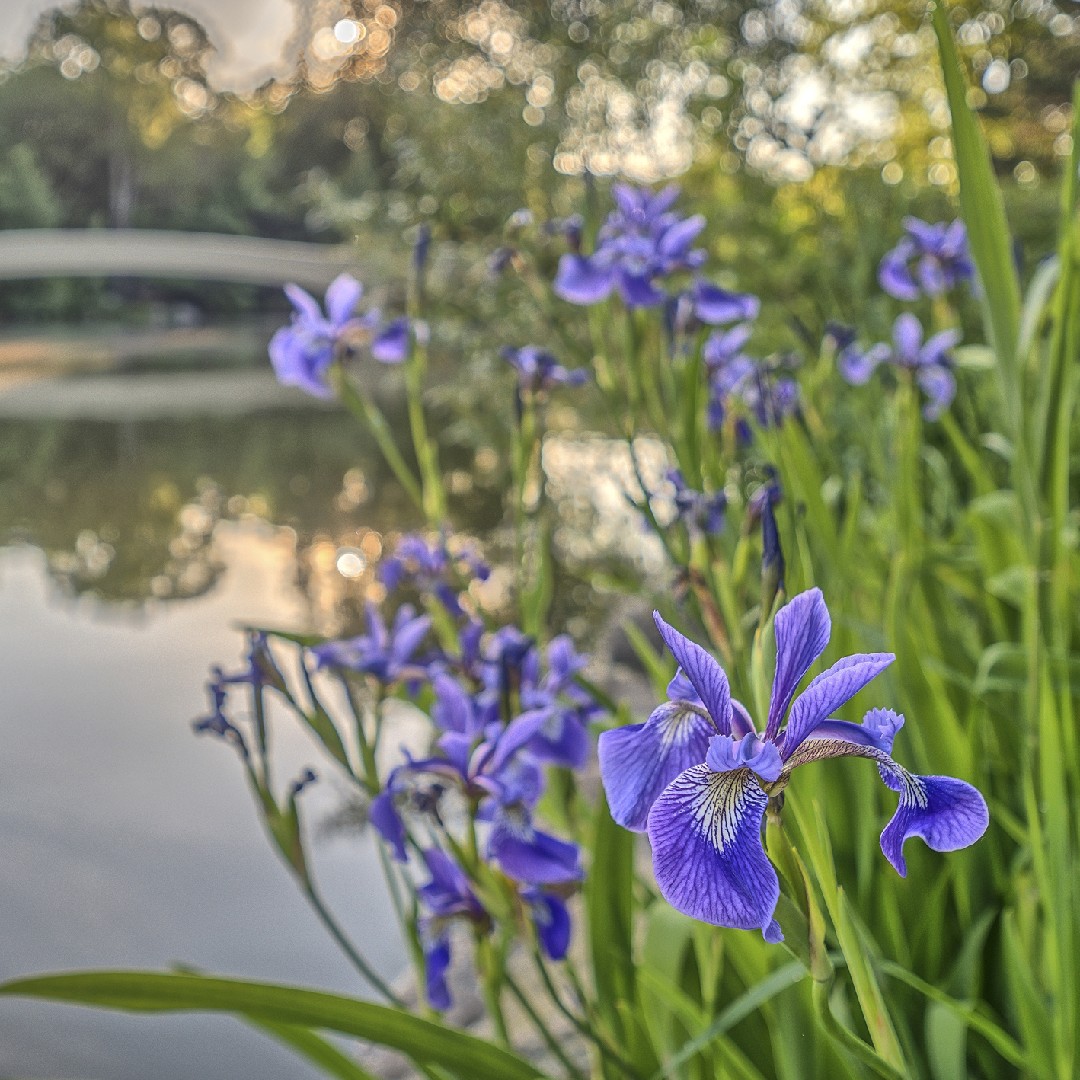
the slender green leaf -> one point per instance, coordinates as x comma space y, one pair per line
746, 1003
984, 216
314, 1048
425, 1041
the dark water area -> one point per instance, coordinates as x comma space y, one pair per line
131, 549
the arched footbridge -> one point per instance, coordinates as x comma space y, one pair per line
153, 253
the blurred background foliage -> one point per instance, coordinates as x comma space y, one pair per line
798, 125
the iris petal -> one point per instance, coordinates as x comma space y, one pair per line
342, 296
947, 813
802, 631
705, 674
829, 691
581, 280
638, 761
705, 831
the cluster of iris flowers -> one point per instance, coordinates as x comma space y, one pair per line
503, 709
699, 773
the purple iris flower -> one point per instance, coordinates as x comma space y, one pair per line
930, 259
500, 775
539, 372
216, 722
386, 654
551, 917
706, 773
928, 360
447, 898
763, 387
431, 567
303, 352
703, 515
641, 241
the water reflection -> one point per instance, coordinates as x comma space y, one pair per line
134, 549
128, 842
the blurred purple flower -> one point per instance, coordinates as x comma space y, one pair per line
303, 352
641, 241
701, 514
385, 654
930, 259
539, 372
929, 361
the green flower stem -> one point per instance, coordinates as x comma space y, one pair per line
493, 975
908, 488
584, 1027
345, 944
433, 495
847, 1040
368, 413
549, 1040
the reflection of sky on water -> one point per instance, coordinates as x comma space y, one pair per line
126, 841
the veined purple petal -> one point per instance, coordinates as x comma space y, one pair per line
391, 344
682, 689
342, 296
750, 752
828, 692
705, 831
529, 855
387, 823
638, 761
704, 673
580, 279
878, 729
802, 630
947, 813
741, 721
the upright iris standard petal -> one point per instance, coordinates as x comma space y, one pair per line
705, 831
704, 673
342, 296
638, 761
939, 385
802, 629
830, 690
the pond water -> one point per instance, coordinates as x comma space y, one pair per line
143, 519
129, 560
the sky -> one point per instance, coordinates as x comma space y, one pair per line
248, 35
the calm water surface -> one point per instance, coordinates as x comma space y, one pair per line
135, 536
127, 842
